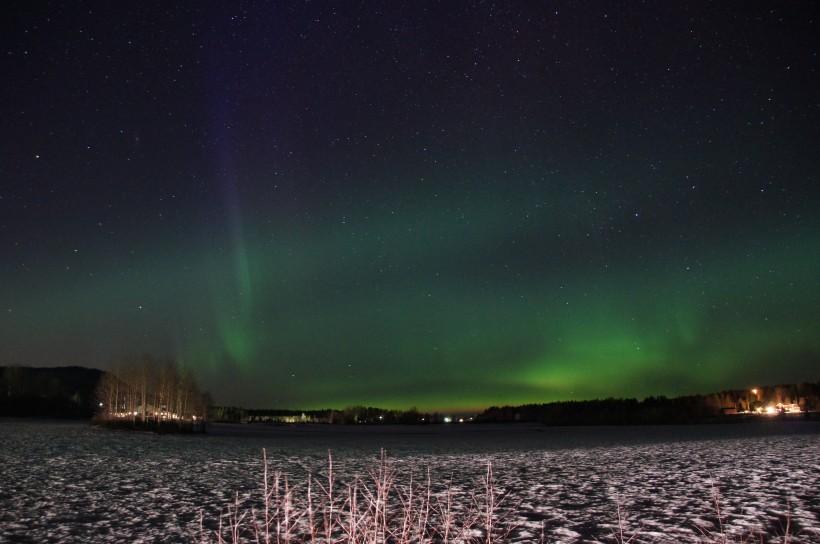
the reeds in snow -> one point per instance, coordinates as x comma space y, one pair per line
379, 508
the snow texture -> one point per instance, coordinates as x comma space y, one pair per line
70, 482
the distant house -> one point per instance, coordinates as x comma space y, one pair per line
156, 412
788, 408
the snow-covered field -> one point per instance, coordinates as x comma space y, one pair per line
69, 482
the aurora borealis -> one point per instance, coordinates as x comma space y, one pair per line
442, 205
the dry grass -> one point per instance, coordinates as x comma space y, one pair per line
381, 509
374, 509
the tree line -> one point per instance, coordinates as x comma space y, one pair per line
610, 411
152, 394
351, 415
58, 392
658, 410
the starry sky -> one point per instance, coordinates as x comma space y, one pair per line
447, 205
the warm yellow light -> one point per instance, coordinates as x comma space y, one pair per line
771, 409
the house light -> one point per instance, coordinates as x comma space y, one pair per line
771, 410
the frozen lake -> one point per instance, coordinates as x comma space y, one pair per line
70, 482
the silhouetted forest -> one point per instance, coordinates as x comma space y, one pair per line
347, 416
60, 392
150, 390
723, 406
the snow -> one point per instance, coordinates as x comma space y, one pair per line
69, 482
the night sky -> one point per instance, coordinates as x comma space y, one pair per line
446, 205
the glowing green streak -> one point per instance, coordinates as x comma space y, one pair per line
355, 317
234, 317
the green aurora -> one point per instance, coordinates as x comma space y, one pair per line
313, 209
413, 311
